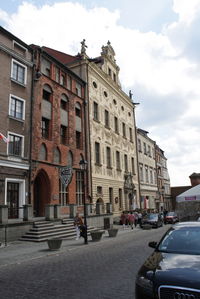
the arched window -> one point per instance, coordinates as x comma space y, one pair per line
78, 109
43, 152
57, 156
47, 91
64, 101
69, 158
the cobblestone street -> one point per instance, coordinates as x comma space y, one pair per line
99, 270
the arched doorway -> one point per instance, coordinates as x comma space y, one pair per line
41, 193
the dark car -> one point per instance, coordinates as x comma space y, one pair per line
153, 219
173, 269
171, 218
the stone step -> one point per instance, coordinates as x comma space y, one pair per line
44, 230
42, 238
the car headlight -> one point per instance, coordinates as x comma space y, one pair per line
144, 283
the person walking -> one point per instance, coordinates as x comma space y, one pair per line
77, 223
131, 219
123, 220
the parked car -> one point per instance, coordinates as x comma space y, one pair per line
153, 219
173, 269
171, 217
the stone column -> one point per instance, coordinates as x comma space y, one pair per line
72, 210
3, 214
49, 212
28, 212
57, 211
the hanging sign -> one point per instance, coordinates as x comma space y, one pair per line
66, 173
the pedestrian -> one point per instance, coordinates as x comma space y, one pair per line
139, 217
136, 218
77, 223
131, 219
123, 220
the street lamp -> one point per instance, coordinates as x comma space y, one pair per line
83, 165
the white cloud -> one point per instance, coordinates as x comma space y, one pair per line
159, 68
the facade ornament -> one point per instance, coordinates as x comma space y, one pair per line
83, 47
130, 94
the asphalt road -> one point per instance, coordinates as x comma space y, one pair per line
99, 270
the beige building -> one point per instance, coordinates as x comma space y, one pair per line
147, 170
111, 131
163, 180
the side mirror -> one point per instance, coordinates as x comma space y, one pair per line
152, 244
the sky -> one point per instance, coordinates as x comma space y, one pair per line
157, 46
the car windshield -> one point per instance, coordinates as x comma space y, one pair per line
183, 240
171, 214
152, 216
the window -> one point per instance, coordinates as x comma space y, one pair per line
131, 134
63, 134
139, 145
126, 163
133, 165
79, 187
149, 150
107, 122
99, 190
120, 199
108, 157
145, 148
64, 102
94, 84
69, 82
124, 130
57, 75
62, 80
69, 158
97, 153
114, 77
15, 146
110, 195
45, 128
46, 93
151, 176
116, 125
46, 67
56, 156
146, 174
78, 89
78, 110
118, 164
109, 72
17, 107
63, 194
43, 153
141, 173
18, 72
95, 111
78, 140
105, 94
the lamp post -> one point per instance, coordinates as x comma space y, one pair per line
83, 165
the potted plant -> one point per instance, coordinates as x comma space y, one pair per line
54, 244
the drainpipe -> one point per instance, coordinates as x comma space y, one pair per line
31, 131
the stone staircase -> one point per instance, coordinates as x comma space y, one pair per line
44, 230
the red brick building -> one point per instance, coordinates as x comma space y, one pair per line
58, 134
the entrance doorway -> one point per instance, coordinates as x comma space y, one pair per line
41, 193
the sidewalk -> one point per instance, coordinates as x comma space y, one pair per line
21, 251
